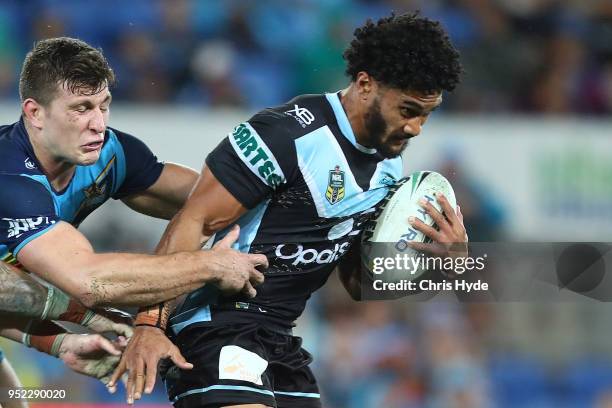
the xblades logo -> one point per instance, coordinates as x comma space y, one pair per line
302, 115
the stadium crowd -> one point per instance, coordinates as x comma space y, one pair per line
533, 56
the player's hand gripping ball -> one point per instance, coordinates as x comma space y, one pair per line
389, 233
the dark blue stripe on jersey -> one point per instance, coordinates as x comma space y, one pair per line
142, 168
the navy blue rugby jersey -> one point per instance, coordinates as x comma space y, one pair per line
309, 187
30, 206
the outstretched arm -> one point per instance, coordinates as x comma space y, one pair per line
65, 258
23, 297
209, 208
88, 354
349, 272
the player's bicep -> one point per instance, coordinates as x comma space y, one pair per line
27, 211
59, 256
142, 169
212, 204
167, 195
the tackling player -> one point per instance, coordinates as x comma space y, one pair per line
60, 162
300, 179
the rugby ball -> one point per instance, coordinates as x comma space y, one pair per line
387, 234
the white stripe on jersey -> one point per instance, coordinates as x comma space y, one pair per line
256, 155
319, 152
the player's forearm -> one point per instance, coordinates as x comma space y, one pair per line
191, 226
15, 329
10, 322
183, 233
168, 195
153, 206
156, 315
349, 271
139, 280
44, 336
11, 333
20, 294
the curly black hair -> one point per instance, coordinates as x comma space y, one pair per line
405, 52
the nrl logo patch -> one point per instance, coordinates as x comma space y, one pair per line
335, 186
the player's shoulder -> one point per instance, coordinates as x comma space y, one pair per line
16, 155
115, 138
114, 133
295, 118
128, 144
20, 192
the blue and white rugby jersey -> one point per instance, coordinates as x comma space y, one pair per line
30, 206
309, 186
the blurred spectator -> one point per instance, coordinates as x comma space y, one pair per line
142, 75
213, 84
483, 216
533, 56
457, 373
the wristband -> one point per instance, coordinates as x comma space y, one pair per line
151, 317
56, 304
76, 313
44, 336
59, 306
147, 325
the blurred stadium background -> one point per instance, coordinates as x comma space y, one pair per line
526, 141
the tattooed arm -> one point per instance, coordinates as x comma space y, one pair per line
22, 297
89, 354
19, 293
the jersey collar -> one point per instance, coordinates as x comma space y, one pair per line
21, 136
24, 139
344, 124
